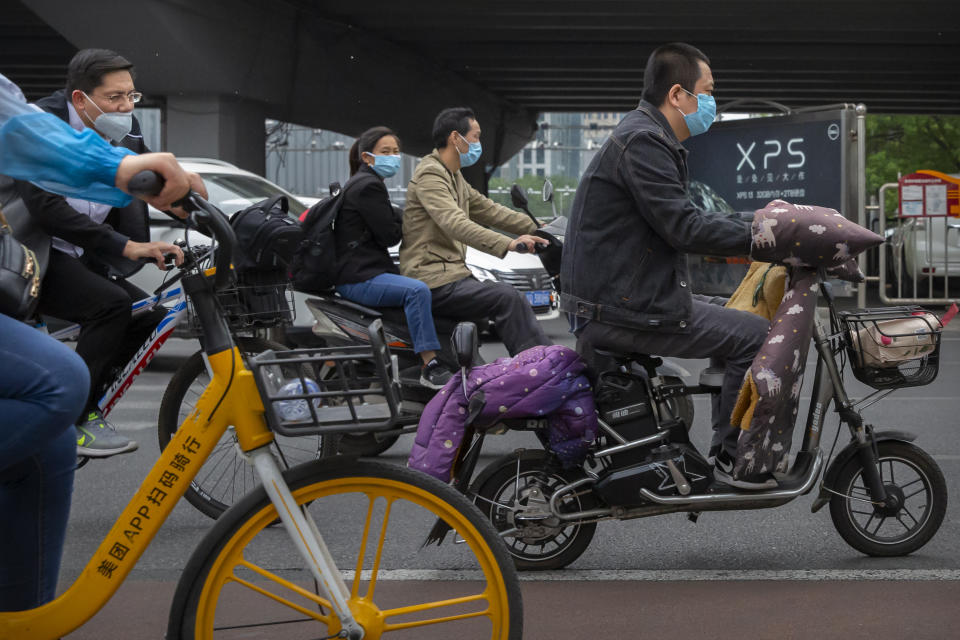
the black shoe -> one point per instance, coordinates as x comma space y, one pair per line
723, 472
434, 375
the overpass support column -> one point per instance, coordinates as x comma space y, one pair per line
217, 127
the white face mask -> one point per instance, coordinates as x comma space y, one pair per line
115, 125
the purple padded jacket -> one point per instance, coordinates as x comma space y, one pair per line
541, 382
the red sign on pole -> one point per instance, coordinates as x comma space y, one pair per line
929, 194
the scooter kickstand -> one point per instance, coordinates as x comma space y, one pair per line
693, 516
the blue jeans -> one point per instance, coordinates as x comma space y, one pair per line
43, 385
392, 290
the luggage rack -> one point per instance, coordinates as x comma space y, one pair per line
360, 392
868, 331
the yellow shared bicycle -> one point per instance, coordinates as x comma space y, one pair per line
347, 559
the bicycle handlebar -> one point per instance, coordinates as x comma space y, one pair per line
202, 214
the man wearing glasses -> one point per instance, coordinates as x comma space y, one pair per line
96, 246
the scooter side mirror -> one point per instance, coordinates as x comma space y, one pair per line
547, 190
464, 343
518, 196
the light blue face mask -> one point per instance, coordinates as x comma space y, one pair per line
700, 120
385, 166
472, 155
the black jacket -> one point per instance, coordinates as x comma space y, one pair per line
102, 243
631, 226
366, 227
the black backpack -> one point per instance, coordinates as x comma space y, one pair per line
314, 267
267, 236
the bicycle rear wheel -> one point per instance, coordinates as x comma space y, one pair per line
245, 580
225, 476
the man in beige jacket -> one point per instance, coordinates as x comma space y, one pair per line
444, 215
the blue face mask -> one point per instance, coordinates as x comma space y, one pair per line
472, 155
385, 166
700, 120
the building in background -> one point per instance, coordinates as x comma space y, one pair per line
306, 161
564, 145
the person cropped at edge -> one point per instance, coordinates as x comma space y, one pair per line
95, 246
444, 215
366, 227
624, 273
43, 383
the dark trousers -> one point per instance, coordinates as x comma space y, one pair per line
470, 299
730, 338
109, 335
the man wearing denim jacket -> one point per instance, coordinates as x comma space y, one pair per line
624, 277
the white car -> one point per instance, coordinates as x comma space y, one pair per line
923, 248
230, 189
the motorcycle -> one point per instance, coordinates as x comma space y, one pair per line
339, 322
887, 497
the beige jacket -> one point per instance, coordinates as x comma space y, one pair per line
443, 216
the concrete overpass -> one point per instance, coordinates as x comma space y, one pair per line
220, 67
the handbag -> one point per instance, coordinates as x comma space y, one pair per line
19, 275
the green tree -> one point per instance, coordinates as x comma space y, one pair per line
902, 144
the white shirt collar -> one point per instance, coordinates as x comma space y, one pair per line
75, 120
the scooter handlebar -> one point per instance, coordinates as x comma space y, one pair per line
537, 248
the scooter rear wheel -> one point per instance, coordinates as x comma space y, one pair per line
520, 485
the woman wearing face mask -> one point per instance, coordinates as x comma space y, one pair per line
366, 227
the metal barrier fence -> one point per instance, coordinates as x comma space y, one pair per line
917, 256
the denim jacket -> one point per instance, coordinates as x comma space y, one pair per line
631, 227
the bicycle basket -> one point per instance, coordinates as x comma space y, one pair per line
334, 389
892, 347
259, 299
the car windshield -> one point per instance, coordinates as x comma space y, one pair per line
232, 192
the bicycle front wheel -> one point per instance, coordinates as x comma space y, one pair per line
245, 579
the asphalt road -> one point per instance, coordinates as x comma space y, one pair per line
768, 573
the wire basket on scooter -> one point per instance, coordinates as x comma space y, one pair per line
892, 347
260, 299
331, 389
